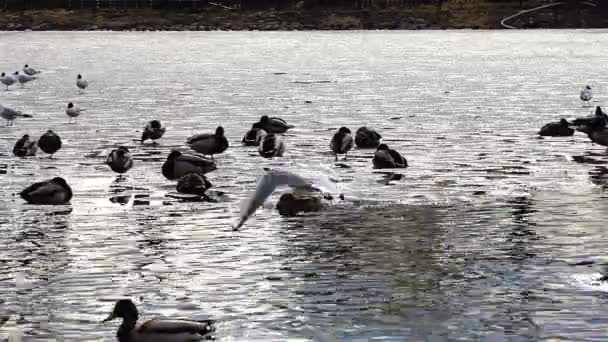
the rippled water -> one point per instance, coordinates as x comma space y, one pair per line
479, 240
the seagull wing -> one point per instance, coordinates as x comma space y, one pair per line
265, 187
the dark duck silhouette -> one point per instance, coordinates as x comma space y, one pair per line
585, 124
49, 143
25, 147
51, 192
557, 129
386, 158
367, 138
274, 125
120, 160
342, 142
271, 145
209, 144
251, 138
180, 164
153, 131
193, 184
157, 329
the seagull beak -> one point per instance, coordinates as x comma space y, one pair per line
109, 318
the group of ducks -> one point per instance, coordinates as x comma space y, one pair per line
594, 126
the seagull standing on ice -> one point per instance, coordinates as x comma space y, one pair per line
7, 80
586, 95
9, 115
23, 79
30, 71
81, 83
73, 111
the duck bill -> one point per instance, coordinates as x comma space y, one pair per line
109, 318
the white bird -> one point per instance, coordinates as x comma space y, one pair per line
7, 80
73, 111
30, 71
277, 178
10, 114
23, 79
586, 94
81, 83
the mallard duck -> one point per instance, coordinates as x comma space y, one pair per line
120, 160
386, 158
367, 138
10, 114
153, 131
30, 71
251, 137
157, 329
7, 80
73, 111
25, 147
271, 145
557, 129
586, 94
49, 143
586, 124
194, 184
55, 191
342, 142
178, 165
291, 205
274, 125
81, 83
23, 79
209, 144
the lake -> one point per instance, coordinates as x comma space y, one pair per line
486, 237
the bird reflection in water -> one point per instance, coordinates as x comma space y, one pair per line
389, 177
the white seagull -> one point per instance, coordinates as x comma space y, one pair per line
9, 115
280, 178
586, 95
7, 80
81, 83
73, 111
30, 71
23, 79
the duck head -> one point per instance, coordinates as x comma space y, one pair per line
382, 147
264, 119
155, 124
121, 151
79, 76
219, 131
16, 73
174, 154
25, 137
124, 309
588, 87
344, 130
2, 75
70, 105
564, 122
27, 66
60, 181
599, 111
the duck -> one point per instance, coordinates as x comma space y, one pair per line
157, 329
29, 70
251, 137
25, 147
557, 129
386, 158
193, 183
23, 79
209, 144
291, 204
342, 142
81, 83
586, 124
274, 125
49, 143
586, 94
180, 164
7, 80
120, 160
367, 138
72, 111
153, 131
10, 114
271, 145
599, 136
55, 191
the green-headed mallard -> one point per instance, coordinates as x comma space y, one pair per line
55, 191
120, 160
209, 144
386, 158
274, 125
180, 164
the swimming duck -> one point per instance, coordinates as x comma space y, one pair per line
386, 158
367, 138
23, 79
557, 129
599, 136
73, 111
291, 204
179, 164
271, 145
25, 147
209, 144
193, 183
251, 137
586, 94
153, 131
30, 71
157, 329
7, 80
586, 124
10, 114
274, 125
49, 143
342, 142
55, 191
120, 160
81, 83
